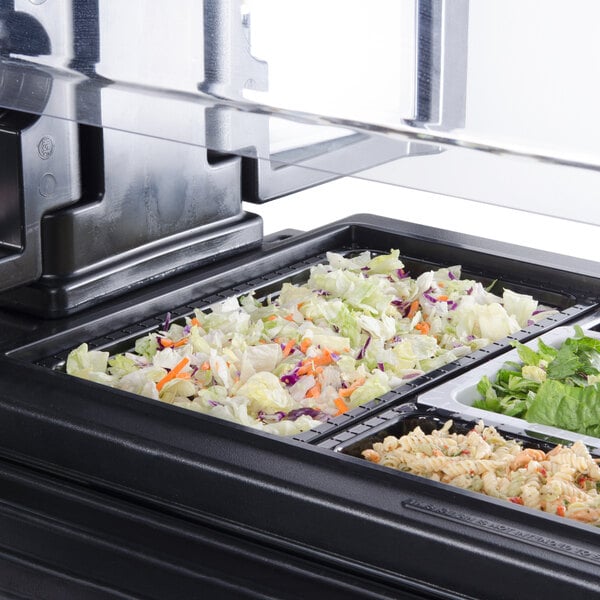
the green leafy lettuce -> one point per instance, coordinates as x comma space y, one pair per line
553, 386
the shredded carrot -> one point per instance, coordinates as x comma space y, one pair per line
195, 322
166, 343
181, 342
205, 366
186, 375
312, 366
300, 305
423, 327
305, 345
323, 360
441, 284
314, 391
442, 298
172, 373
560, 511
345, 392
289, 317
271, 318
288, 347
342, 406
307, 368
414, 307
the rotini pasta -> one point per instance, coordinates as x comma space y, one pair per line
563, 481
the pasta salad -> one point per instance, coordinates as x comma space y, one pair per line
563, 481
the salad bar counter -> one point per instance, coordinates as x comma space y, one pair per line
280, 489
370, 409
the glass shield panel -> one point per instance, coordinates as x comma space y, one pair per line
428, 94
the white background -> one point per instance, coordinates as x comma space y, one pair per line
332, 201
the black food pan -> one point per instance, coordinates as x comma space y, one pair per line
380, 441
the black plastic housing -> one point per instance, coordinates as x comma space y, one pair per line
390, 534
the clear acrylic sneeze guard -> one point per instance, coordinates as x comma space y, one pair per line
425, 94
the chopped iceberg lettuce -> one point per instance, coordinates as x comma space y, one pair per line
360, 326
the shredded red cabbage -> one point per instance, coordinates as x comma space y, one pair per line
451, 276
290, 378
299, 412
270, 417
402, 306
380, 366
402, 274
362, 351
430, 297
167, 322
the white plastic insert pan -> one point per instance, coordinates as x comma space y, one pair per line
458, 395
